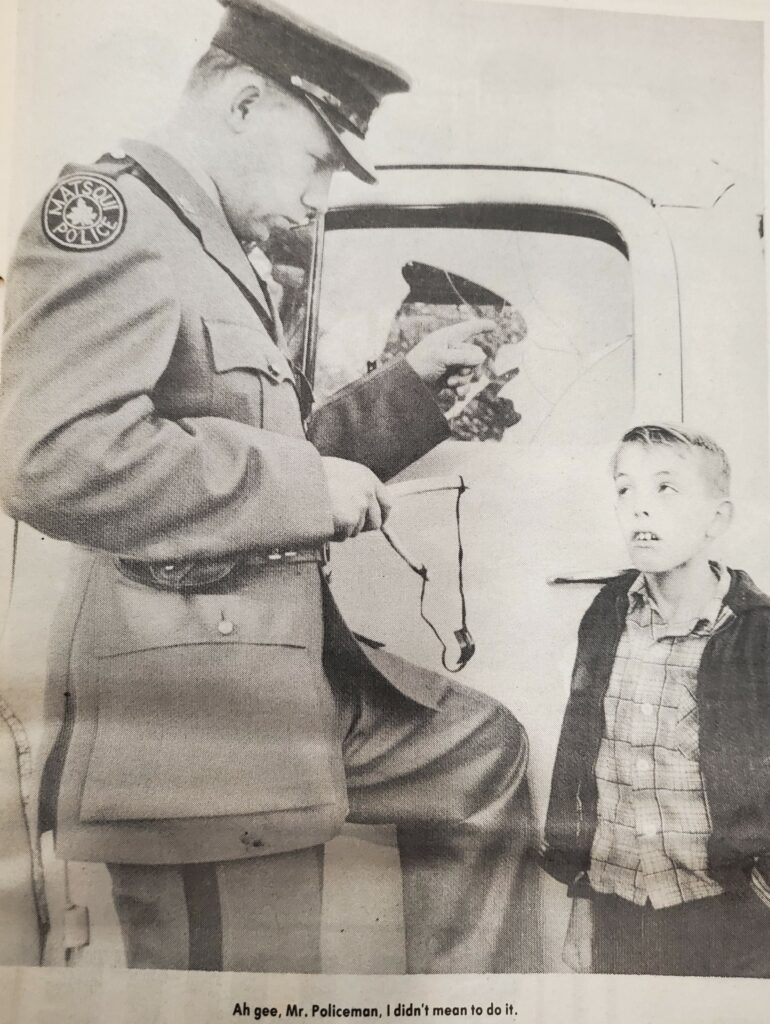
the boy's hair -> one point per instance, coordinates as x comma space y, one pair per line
714, 461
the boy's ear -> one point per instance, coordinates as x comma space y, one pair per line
723, 516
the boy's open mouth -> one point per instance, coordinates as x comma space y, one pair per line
642, 536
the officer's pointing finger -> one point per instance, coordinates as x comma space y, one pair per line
457, 334
467, 355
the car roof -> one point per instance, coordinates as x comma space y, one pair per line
671, 106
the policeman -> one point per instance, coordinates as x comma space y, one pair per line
213, 721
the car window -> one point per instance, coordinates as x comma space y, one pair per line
560, 358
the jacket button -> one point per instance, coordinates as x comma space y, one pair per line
225, 627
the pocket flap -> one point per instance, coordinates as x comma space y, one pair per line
240, 346
269, 608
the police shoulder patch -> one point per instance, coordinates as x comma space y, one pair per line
82, 212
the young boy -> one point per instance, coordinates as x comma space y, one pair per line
659, 816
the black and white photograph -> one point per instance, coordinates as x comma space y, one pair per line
385, 494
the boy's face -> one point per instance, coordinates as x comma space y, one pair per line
667, 508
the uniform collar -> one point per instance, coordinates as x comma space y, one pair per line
195, 199
644, 612
185, 159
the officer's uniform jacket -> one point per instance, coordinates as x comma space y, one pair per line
149, 418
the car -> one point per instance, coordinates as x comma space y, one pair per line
623, 266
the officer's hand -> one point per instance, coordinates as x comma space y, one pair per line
448, 356
359, 501
578, 942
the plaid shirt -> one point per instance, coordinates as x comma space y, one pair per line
653, 819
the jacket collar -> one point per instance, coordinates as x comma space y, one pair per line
742, 595
200, 212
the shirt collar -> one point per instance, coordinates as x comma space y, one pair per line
643, 611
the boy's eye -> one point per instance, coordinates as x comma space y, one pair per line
622, 491
667, 487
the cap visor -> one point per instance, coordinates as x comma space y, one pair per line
351, 147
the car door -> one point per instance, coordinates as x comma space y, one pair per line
589, 342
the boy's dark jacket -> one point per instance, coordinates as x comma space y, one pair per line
733, 697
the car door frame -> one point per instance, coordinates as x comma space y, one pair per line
553, 200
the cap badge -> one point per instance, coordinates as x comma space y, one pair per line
83, 211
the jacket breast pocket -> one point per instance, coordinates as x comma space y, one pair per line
253, 382
206, 704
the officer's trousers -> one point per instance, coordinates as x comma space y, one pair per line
453, 782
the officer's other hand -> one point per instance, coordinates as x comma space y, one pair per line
448, 355
359, 501
579, 939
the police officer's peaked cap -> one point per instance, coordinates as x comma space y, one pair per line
344, 85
